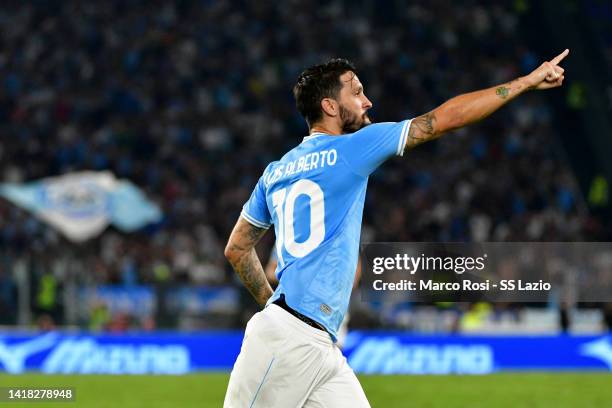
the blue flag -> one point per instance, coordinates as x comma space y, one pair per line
81, 205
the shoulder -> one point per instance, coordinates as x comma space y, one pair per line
382, 127
269, 171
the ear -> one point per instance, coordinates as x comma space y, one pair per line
329, 106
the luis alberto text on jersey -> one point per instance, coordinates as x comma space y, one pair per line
314, 196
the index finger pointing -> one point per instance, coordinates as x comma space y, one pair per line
559, 57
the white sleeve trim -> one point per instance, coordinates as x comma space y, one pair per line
253, 221
403, 137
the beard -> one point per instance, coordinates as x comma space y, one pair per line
351, 122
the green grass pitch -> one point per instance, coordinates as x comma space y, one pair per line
207, 390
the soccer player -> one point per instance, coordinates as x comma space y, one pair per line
314, 197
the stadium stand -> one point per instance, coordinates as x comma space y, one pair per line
190, 101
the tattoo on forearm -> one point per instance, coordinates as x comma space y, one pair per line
248, 267
252, 275
502, 92
422, 129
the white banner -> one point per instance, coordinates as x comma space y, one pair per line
81, 205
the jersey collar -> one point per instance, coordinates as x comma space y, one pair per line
312, 136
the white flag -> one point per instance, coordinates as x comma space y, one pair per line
81, 205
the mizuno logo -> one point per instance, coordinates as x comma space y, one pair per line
13, 356
600, 349
83, 354
389, 356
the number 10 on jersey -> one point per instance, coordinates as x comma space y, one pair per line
283, 201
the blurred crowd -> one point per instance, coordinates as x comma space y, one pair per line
599, 16
191, 99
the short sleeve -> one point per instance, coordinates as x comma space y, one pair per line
369, 147
255, 211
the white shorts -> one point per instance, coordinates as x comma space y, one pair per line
286, 363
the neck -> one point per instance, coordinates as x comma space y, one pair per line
328, 129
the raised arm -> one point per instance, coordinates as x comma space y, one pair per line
471, 107
240, 252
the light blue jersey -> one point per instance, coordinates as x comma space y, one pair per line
314, 196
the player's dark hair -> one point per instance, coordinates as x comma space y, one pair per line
319, 82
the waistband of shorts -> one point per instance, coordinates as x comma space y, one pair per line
308, 331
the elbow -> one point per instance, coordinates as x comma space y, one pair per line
232, 253
455, 122
453, 118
